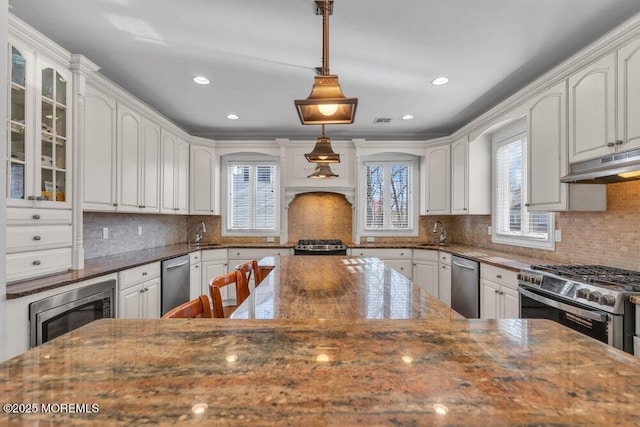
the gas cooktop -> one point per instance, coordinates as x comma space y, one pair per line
599, 275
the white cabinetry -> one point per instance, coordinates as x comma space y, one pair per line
195, 275
425, 270
471, 177
202, 180
398, 259
629, 95
139, 292
499, 297
175, 174
437, 189
214, 263
444, 277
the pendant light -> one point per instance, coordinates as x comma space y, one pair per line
322, 171
326, 104
322, 152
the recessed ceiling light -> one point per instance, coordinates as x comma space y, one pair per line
439, 81
233, 116
201, 80
408, 117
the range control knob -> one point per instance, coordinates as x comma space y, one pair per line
607, 300
594, 296
583, 293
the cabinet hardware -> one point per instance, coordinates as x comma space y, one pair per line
36, 216
610, 144
501, 293
141, 291
401, 253
115, 204
527, 204
197, 266
499, 276
36, 262
39, 198
619, 142
31, 198
464, 209
496, 291
37, 237
144, 273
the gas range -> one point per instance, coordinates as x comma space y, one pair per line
597, 286
320, 247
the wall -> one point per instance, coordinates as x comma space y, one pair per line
609, 238
157, 230
320, 216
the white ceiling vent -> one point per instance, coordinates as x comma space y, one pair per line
382, 120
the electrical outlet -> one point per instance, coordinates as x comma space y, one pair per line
558, 235
370, 239
139, 230
105, 233
489, 230
271, 239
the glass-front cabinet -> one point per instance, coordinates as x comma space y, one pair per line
39, 153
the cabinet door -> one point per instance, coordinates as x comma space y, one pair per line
211, 269
130, 303
150, 163
99, 143
401, 266
202, 180
129, 132
168, 190
195, 282
438, 185
489, 300
510, 303
592, 110
425, 275
459, 176
152, 302
629, 95
182, 177
547, 147
444, 284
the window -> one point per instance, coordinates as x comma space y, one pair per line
251, 203
513, 223
388, 197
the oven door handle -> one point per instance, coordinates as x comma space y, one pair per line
598, 317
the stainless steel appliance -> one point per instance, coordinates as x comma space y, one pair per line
465, 287
175, 282
591, 299
56, 315
320, 247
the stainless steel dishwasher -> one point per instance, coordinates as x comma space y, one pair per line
175, 282
465, 287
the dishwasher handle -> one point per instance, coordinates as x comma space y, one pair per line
176, 265
468, 267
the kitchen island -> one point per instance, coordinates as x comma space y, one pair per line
306, 369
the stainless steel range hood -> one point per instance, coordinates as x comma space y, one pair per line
612, 168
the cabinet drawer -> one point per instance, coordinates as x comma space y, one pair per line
136, 275
22, 239
425, 255
195, 257
444, 258
255, 253
499, 275
27, 216
214, 255
38, 263
383, 253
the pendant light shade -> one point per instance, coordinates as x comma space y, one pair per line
322, 171
326, 105
322, 152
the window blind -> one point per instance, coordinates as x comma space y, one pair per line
251, 197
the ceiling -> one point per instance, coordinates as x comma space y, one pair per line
260, 55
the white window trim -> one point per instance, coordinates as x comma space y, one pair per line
501, 137
414, 191
252, 159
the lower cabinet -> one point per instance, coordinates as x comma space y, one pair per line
499, 298
398, 259
139, 292
425, 271
214, 263
195, 275
444, 278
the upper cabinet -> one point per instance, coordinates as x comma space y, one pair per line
175, 174
471, 179
600, 122
437, 189
202, 180
39, 126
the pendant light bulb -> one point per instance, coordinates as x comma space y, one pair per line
328, 109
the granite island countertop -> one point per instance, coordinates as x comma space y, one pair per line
324, 372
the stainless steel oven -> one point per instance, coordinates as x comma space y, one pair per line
62, 313
320, 247
593, 300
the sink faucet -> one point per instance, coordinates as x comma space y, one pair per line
200, 230
443, 232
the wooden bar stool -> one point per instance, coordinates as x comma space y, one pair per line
250, 268
199, 307
224, 308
